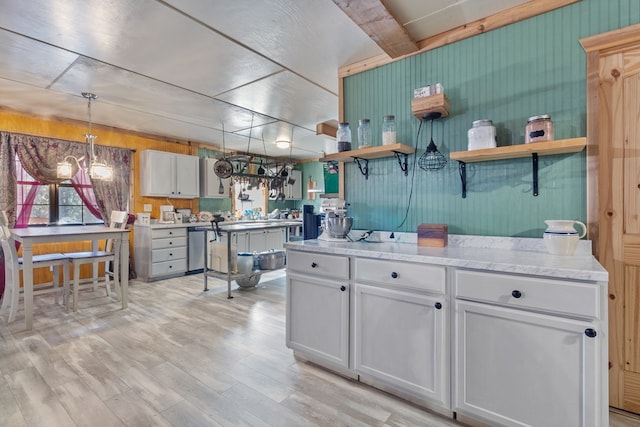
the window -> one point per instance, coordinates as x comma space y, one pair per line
47, 204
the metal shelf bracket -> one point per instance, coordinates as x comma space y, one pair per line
363, 170
402, 161
534, 165
462, 170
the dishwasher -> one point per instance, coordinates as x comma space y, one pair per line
197, 250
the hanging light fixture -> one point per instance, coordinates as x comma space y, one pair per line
283, 144
95, 169
432, 159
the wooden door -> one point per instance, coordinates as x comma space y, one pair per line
614, 135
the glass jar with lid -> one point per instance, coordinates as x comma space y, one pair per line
538, 129
481, 135
364, 133
388, 130
343, 137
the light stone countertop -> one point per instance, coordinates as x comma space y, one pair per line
232, 225
525, 256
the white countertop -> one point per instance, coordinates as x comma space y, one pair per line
232, 225
498, 254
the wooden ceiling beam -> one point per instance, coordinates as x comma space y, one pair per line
506, 17
379, 24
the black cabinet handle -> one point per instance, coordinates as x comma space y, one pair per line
394, 275
516, 294
343, 288
170, 254
591, 333
170, 233
438, 306
314, 265
171, 243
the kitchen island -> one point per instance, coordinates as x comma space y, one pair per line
488, 329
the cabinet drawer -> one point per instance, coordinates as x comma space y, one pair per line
171, 242
169, 267
424, 277
580, 299
158, 255
332, 266
162, 233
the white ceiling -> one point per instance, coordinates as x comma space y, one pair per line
181, 68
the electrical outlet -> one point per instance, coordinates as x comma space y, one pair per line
147, 207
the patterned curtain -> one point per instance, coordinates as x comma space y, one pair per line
113, 195
40, 156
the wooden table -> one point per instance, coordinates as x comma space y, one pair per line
36, 235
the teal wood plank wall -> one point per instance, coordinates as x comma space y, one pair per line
536, 66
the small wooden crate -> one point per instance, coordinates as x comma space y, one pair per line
432, 235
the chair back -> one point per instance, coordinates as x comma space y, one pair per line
4, 221
118, 220
11, 267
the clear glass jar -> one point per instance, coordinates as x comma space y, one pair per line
481, 135
538, 129
388, 130
343, 137
364, 133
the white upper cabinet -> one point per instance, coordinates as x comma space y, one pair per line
164, 174
212, 186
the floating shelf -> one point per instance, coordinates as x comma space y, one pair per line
535, 149
369, 153
439, 103
362, 156
547, 148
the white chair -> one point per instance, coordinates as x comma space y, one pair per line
118, 220
13, 265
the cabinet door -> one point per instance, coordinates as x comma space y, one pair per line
518, 368
274, 238
257, 241
187, 176
157, 173
401, 341
210, 183
294, 191
318, 319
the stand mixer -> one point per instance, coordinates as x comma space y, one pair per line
335, 225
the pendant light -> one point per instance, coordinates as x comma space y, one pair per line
95, 169
432, 159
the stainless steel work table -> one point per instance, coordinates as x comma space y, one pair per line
235, 227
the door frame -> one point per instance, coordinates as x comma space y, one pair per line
601, 215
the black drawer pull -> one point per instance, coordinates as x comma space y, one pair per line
438, 306
516, 294
170, 254
343, 288
591, 333
314, 265
394, 275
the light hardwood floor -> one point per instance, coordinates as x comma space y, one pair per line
181, 357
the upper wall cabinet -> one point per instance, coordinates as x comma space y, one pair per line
211, 185
164, 174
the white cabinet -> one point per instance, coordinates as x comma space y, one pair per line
519, 361
294, 191
164, 174
401, 339
212, 186
160, 252
318, 309
267, 239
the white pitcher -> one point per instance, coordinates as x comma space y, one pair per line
561, 237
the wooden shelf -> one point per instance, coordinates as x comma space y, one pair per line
534, 149
438, 103
369, 153
547, 148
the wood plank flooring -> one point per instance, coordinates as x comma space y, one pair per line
181, 357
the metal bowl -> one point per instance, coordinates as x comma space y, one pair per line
248, 281
339, 227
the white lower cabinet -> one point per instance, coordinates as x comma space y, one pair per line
318, 319
401, 342
521, 362
160, 252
